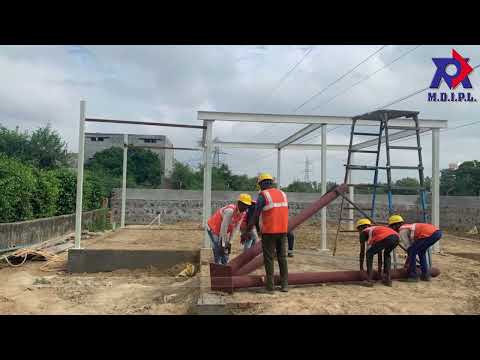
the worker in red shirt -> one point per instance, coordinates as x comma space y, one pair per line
223, 224
416, 238
379, 239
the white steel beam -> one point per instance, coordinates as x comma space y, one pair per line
323, 245
436, 182
124, 180
81, 157
207, 180
298, 135
395, 136
311, 119
273, 146
279, 161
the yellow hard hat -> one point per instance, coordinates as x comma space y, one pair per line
245, 198
395, 219
363, 221
264, 176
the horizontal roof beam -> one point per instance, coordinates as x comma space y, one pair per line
395, 136
312, 119
299, 134
274, 146
127, 122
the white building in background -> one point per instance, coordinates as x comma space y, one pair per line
98, 142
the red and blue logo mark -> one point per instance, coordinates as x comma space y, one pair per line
462, 69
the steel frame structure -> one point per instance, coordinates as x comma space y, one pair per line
81, 158
312, 122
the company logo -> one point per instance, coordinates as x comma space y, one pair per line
453, 71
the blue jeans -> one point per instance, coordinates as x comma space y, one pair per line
420, 248
250, 241
219, 255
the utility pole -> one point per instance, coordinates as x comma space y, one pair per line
307, 170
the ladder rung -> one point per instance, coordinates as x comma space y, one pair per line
405, 147
365, 151
366, 134
348, 231
403, 128
406, 167
364, 167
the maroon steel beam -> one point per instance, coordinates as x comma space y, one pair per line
316, 206
254, 254
229, 283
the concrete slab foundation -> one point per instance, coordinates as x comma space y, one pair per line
98, 260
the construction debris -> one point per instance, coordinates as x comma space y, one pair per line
189, 271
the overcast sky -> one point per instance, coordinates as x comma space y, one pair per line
44, 84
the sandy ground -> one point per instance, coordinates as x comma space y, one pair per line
455, 291
28, 290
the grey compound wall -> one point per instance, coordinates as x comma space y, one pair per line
26, 233
143, 205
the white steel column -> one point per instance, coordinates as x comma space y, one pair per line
279, 160
81, 156
124, 180
436, 182
323, 244
207, 179
351, 196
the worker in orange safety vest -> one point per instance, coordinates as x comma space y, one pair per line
416, 238
223, 224
378, 239
272, 212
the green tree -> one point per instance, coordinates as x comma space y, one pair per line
17, 188
407, 182
184, 177
46, 194
67, 180
14, 144
467, 178
47, 149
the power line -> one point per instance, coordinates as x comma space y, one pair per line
340, 78
287, 74
367, 77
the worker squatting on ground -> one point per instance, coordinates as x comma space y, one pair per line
416, 238
222, 226
272, 209
379, 239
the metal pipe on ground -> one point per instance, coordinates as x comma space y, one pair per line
255, 256
230, 283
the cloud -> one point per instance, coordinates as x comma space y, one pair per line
43, 84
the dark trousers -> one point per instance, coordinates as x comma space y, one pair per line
291, 242
271, 244
420, 247
386, 245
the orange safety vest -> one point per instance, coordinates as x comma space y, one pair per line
420, 230
274, 218
215, 221
378, 233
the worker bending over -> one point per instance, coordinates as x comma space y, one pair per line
222, 226
248, 239
379, 239
272, 209
416, 238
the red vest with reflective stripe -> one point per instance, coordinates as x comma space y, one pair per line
378, 233
420, 230
215, 221
275, 212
